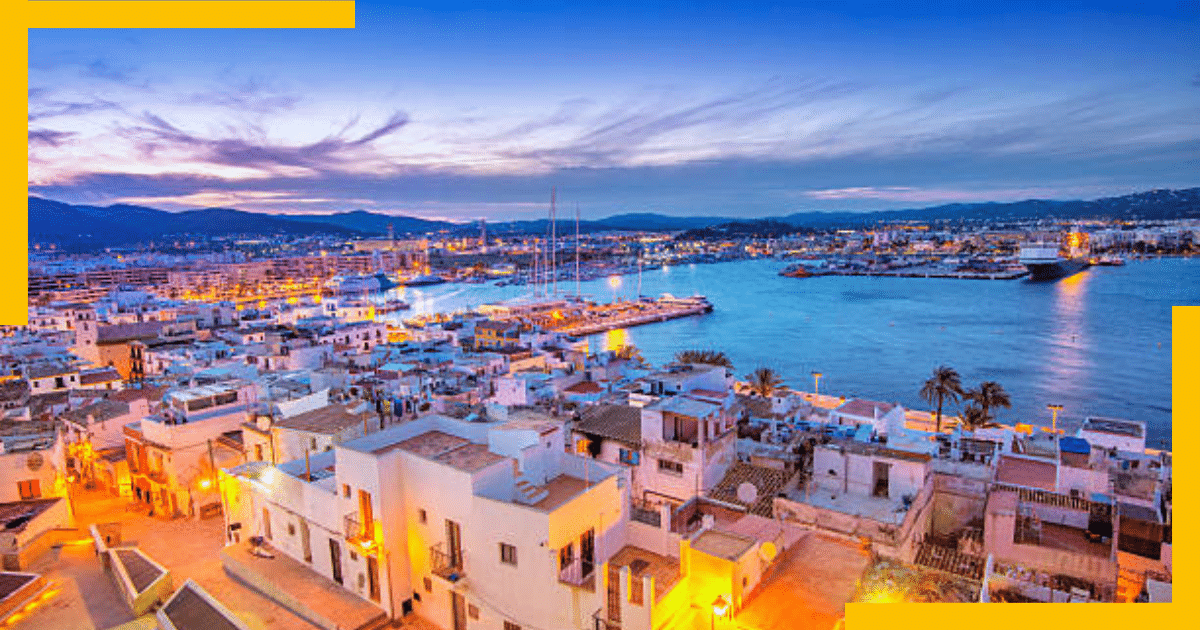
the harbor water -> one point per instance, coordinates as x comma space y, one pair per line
1098, 342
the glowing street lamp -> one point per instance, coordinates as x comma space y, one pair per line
1054, 409
720, 607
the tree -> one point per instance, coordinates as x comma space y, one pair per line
975, 417
704, 357
630, 353
943, 384
764, 381
989, 395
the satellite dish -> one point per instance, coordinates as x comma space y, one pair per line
747, 492
768, 551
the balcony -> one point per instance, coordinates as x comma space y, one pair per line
444, 564
362, 538
578, 574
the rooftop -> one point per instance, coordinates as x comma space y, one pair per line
864, 408
622, 423
767, 482
1114, 426
561, 489
1030, 473
723, 544
470, 457
664, 569
191, 609
329, 419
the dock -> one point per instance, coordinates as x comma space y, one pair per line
926, 271
600, 318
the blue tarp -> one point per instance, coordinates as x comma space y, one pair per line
1074, 445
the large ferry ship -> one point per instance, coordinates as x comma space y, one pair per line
358, 285
1050, 260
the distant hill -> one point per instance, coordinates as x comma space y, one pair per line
374, 223
124, 224
1153, 205
54, 221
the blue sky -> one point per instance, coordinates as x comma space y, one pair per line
477, 110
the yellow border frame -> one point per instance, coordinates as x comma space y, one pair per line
14, 97
340, 14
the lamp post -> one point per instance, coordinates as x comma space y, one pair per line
816, 384
1054, 409
720, 605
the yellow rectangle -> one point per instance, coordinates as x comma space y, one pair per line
190, 14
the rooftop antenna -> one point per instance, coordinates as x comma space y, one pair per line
578, 293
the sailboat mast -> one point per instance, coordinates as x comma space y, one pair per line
553, 241
578, 293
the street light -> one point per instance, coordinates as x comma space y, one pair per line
720, 606
1054, 409
816, 383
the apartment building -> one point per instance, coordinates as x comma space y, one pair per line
457, 520
173, 454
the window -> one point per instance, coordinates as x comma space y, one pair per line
346, 490
473, 611
428, 585
313, 443
30, 489
630, 456
670, 467
508, 625
566, 556
508, 554
422, 516
291, 529
353, 555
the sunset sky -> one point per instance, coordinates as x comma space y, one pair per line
688, 109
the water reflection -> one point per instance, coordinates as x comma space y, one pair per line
1067, 365
615, 339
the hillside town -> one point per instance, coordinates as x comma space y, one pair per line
181, 451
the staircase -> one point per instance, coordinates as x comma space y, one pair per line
528, 492
1129, 586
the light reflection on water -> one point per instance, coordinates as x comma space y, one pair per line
1098, 342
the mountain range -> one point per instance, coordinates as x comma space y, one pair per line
84, 225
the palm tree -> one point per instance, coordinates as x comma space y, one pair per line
944, 383
704, 357
975, 417
764, 381
989, 394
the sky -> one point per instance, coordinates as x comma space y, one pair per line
477, 111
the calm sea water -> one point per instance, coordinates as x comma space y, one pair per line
1098, 342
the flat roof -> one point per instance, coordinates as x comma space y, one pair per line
723, 544
641, 562
1027, 472
328, 419
561, 489
1114, 426
470, 457
430, 444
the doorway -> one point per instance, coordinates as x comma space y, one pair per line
335, 560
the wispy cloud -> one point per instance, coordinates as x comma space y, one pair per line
48, 137
155, 135
39, 110
253, 94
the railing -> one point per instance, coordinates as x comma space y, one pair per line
643, 512
444, 564
604, 624
574, 574
359, 536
